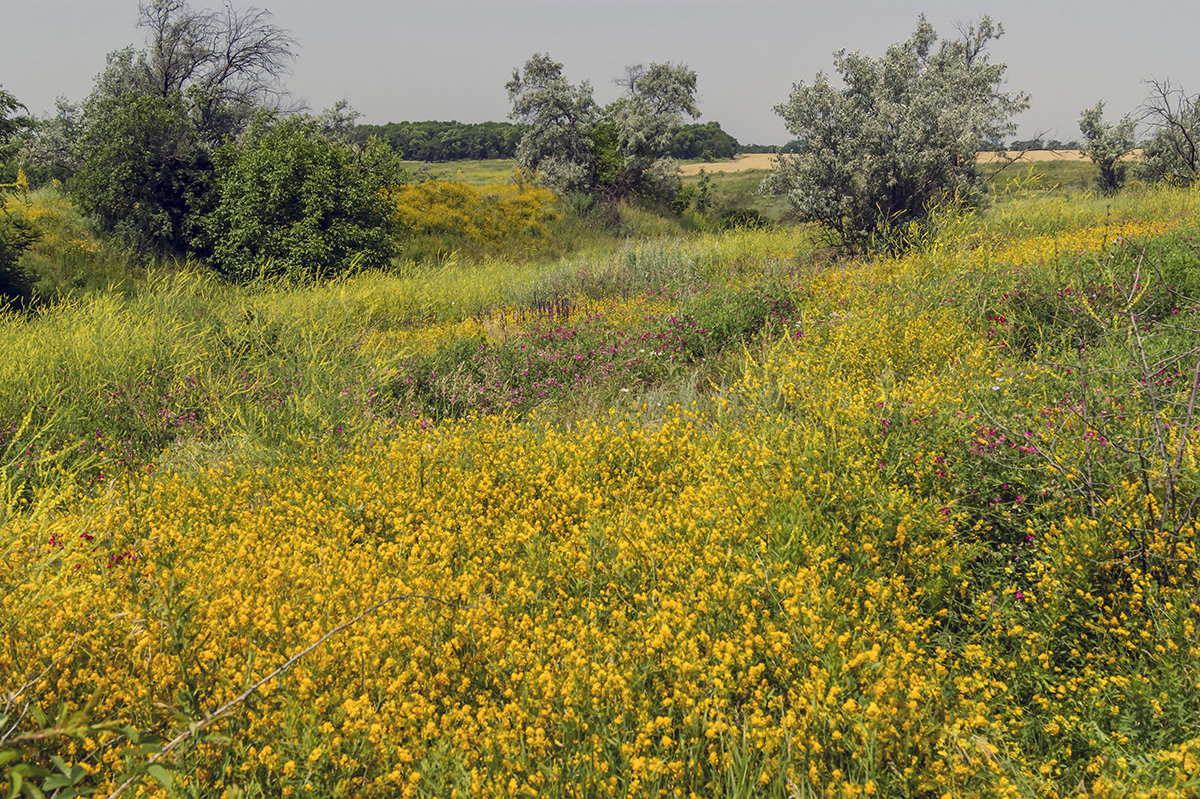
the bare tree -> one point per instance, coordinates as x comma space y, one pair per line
1172, 153
227, 62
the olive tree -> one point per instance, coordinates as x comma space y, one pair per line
1107, 144
51, 151
559, 118
897, 137
575, 146
645, 121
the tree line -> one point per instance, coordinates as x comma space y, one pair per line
467, 141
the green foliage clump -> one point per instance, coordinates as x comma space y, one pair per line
620, 151
448, 141
706, 142
290, 202
899, 138
12, 125
1107, 144
144, 170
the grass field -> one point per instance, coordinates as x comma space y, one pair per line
706, 515
476, 173
735, 184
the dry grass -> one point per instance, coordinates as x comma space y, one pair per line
752, 161
742, 163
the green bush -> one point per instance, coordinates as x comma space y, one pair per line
290, 202
143, 170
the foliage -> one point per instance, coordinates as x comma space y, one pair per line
757, 148
139, 157
226, 63
558, 119
17, 234
705, 142
290, 202
1172, 153
907, 526
448, 141
621, 151
899, 137
1107, 144
1020, 145
69, 256
644, 121
12, 125
143, 170
51, 151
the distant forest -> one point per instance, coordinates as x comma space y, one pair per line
468, 141
461, 141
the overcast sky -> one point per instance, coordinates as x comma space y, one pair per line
449, 59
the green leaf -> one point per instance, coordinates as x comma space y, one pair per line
164, 777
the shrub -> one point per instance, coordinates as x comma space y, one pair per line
143, 170
291, 202
1107, 144
1171, 154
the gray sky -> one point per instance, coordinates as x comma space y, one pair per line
449, 59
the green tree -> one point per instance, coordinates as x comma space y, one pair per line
51, 151
1172, 152
143, 170
705, 141
559, 118
657, 97
12, 125
897, 138
147, 132
1107, 144
291, 202
615, 152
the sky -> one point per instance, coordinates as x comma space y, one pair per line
450, 59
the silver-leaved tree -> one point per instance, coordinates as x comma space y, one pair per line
1107, 145
575, 146
897, 138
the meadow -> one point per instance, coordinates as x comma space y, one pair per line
706, 514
